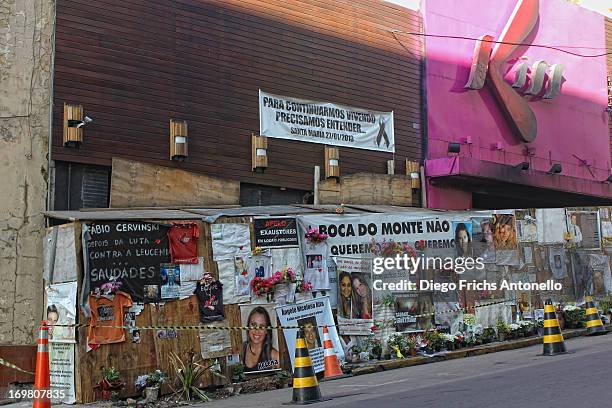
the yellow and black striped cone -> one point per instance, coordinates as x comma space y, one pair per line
305, 384
593, 321
553, 339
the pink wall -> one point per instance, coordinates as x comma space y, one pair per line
573, 123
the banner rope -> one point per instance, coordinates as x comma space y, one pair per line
240, 328
13, 366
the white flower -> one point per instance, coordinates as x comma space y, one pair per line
448, 337
570, 308
514, 326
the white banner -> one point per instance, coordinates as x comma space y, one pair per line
61, 309
311, 315
351, 235
324, 122
61, 372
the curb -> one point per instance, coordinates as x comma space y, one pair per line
462, 353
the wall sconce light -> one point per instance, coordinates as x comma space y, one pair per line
178, 139
498, 146
522, 166
73, 125
555, 169
413, 170
332, 162
454, 147
259, 153
609, 179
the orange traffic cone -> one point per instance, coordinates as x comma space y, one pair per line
332, 365
42, 380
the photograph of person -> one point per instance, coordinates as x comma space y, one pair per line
504, 235
463, 239
346, 299
311, 332
363, 297
574, 229
260, 346
314, 261
52, 319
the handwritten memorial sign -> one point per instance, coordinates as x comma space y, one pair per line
131, 253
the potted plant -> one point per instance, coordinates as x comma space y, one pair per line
302, 290
237, 378
282, 379
459, 341
449, 341
411, 346
397, 344
150, 384
488, 334
111, 383
514, 330
573, 315
502, 330
189, 374
539, 327
605, 304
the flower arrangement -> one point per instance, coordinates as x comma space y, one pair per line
154, 379
303, 286
503, 330
434, 340
257, 251
111, 383
392, 248
286, 275
397, 344
262, 286
314, 236
573, 315
469, 319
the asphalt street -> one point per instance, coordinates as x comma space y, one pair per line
515, 378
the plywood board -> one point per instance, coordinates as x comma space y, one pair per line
367, 189
135, 184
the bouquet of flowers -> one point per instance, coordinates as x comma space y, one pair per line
392, 248
154, 379
257, 251
262, 286
314, 236
286, 275
303, 286
397, 344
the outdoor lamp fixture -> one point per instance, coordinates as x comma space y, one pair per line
454, 147
609, 179
178, 139
332, 162
522, 166
259, 153
555, 169
73, 125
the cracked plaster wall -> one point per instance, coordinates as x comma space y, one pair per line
26, 28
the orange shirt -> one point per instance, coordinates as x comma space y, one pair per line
107, 312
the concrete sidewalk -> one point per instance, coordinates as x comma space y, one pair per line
367, 368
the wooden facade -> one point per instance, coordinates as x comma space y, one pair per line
133, 65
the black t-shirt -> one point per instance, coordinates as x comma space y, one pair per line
210, 301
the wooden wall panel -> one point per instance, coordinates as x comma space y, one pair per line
367, 189
135, 184
137, 64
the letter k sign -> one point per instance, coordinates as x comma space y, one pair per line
487, 63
